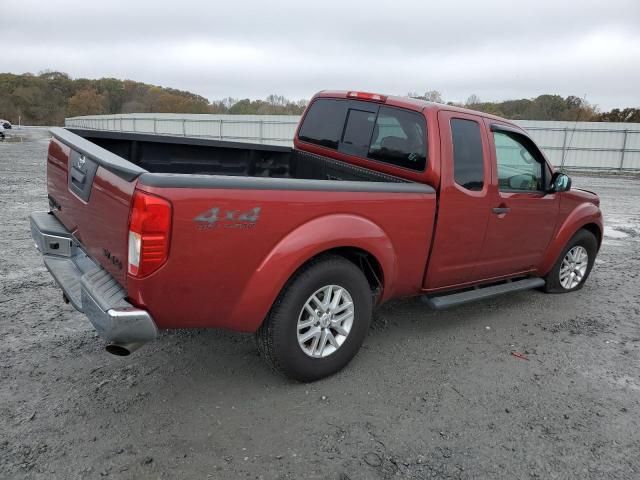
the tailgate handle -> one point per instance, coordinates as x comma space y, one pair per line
77, 175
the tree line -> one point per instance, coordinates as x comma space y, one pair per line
49, 97
543, 107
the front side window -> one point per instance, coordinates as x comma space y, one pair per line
468, 159
518, 168
323, 123
399, 138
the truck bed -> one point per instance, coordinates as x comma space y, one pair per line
187, 155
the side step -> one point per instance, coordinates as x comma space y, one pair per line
440, 302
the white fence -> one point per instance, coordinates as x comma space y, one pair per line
600, 145
268, 129
595, 145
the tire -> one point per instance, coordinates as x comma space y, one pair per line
280, 335
587, 241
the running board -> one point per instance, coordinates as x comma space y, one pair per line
441, 302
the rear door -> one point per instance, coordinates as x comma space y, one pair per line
523, 215
464, 201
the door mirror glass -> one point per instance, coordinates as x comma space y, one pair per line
560, 182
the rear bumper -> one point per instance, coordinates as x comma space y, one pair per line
89, 288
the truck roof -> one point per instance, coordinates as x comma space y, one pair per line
410, 103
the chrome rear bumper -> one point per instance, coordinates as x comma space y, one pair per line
89, 287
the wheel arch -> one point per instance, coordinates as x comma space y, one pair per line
586, 216
352, 237
596, 230
367, 262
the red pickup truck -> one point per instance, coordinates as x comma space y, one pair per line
381, 197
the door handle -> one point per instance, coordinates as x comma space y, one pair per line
501, 210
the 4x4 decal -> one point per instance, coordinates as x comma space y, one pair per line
227, 218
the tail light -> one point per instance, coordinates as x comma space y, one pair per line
149, 229
374, 97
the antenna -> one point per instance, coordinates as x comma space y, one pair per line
566, 150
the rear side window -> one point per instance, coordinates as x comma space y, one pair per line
399, 138
323, 123
468, 161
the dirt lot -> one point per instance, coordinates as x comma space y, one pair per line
431, 395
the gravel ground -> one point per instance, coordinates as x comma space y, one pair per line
431, 395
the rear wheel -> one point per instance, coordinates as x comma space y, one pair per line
574, 264
319, 321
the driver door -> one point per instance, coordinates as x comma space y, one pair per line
523, 216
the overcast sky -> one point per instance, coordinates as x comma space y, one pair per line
495, 49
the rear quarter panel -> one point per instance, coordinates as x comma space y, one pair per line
228, 274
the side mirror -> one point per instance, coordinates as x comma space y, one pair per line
560, 182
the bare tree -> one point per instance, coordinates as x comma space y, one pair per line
472, 100
433, 96
430, 96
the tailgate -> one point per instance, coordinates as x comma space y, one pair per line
90, 191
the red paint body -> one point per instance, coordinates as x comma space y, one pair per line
229, 278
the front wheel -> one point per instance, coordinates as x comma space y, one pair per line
573, 266
319, 321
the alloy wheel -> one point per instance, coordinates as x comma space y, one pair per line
325, 321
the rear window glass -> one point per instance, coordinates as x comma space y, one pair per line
468, 162
323, 123
386, 134
357, 131
399, 138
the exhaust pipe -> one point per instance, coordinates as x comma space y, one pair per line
123, 349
